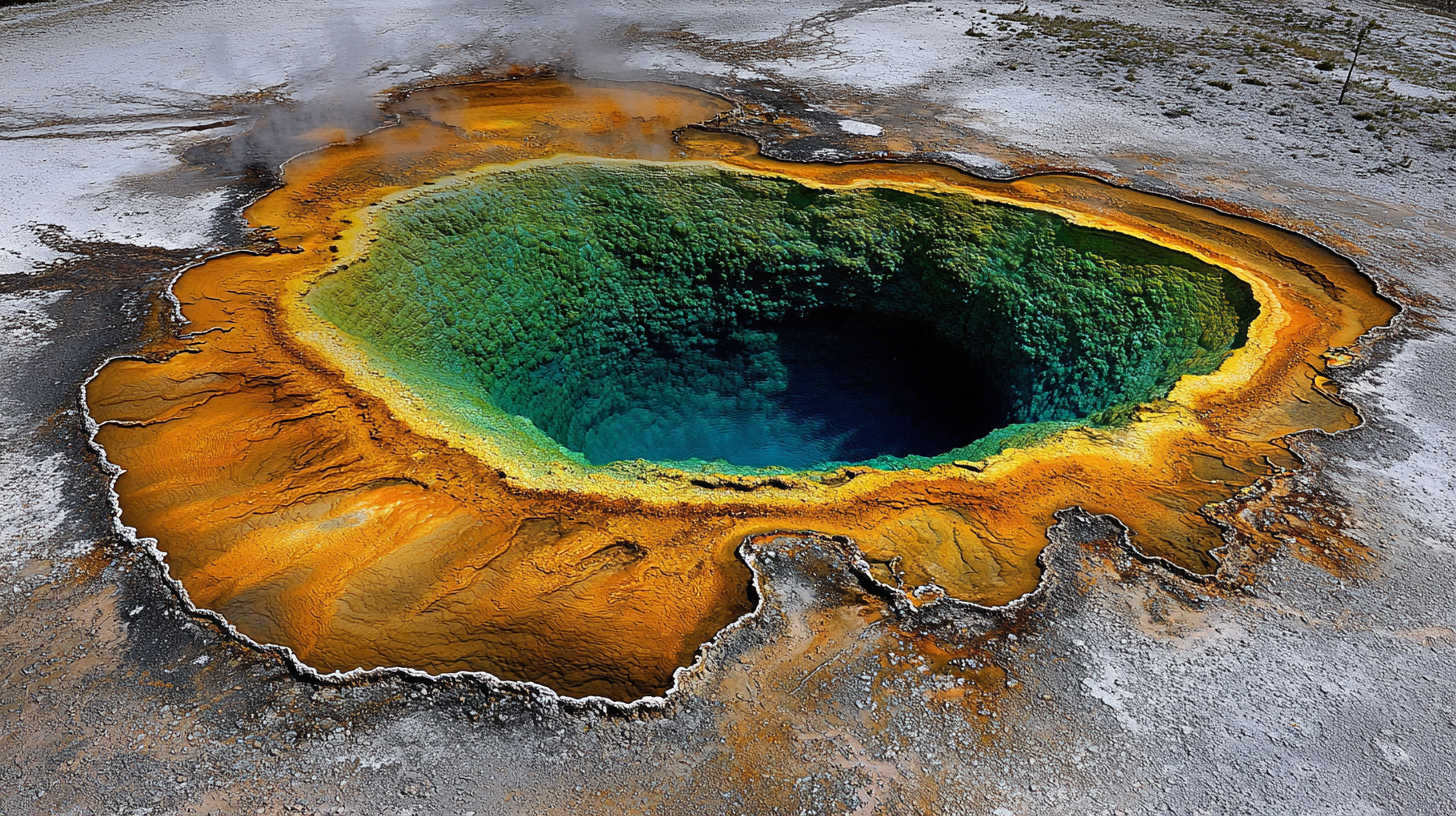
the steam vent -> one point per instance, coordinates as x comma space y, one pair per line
533, 364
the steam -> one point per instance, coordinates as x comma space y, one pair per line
291, 76
342, 66
571, 34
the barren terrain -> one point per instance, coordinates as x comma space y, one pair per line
1314, 674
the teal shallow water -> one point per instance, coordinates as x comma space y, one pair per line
697, 317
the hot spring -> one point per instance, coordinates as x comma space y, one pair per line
544, 359
697, 317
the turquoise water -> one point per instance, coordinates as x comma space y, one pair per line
615, 312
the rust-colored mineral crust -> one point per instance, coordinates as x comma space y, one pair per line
316, 505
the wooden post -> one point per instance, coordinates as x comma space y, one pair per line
1359, 41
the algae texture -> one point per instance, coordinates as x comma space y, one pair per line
600, 312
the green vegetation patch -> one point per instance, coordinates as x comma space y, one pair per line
597, 312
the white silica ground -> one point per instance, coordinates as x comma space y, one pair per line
31, 506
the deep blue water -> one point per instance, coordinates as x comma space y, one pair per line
830, 386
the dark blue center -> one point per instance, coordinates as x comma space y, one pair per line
833, 385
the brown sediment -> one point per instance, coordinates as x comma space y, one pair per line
1287, 513
316, 505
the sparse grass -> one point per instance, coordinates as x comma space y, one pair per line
1109, 41
1447, 6
1276, 49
